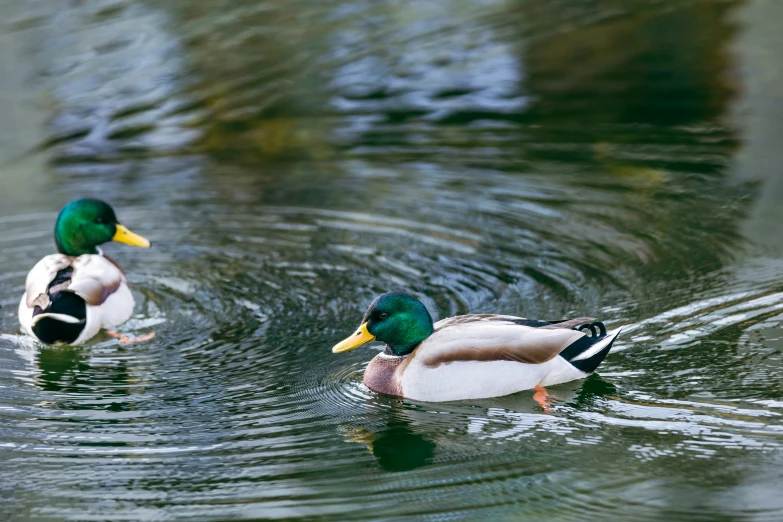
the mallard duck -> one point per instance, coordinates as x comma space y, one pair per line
71, 295
472, 356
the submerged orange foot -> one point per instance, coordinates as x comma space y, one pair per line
124, 339
542, 398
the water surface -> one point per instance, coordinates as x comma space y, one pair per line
291, 160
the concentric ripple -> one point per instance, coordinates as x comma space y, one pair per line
239, 387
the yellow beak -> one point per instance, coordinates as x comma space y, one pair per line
362, 336
123, 235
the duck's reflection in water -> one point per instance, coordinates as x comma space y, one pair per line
396, 446
399, 448
59, 367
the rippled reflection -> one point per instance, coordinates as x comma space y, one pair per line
396, 446
290, 161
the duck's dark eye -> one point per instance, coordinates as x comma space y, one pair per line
383, 315
100, 220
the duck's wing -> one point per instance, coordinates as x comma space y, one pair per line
486, 337
95, 278
41, 277
91, 277
535, 323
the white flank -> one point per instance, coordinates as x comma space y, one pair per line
562, 371
117, 309
25, 316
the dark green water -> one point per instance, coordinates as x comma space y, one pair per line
290, 160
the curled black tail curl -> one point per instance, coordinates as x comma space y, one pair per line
587, 352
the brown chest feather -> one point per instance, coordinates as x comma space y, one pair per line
383, 374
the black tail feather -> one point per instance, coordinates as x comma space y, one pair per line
584, 344
50, 330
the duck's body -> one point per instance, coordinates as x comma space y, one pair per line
474, 356
480, 356
70, 299
70, 296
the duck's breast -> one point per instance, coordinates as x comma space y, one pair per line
382, 374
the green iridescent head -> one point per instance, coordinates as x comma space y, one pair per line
395, 318
86, 223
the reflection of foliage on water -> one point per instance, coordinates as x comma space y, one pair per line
601, 146
626, 110
666, 73
650, 65
260, 91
